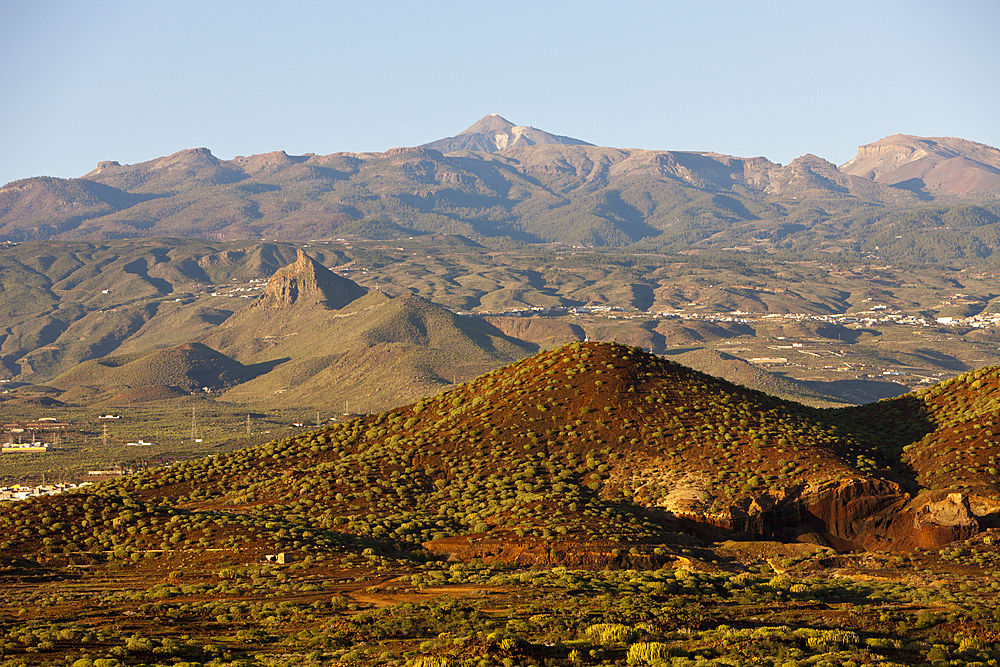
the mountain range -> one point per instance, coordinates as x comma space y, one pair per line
499, 183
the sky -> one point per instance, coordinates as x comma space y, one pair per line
90, 80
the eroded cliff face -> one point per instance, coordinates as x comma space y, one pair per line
852, 513
937, 165
849, 514
885, 156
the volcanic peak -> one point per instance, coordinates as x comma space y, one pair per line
494, 133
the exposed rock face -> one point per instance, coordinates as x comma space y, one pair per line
306, 280
850, 513
937, 165
936, 522
855, 512
954, 510
106, 164
411, 151
224, 258
266, 162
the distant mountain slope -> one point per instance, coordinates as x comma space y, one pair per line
935, 166
494, 133
499, 184
65, 303
43, 207
333, 344
191, 366
374, 354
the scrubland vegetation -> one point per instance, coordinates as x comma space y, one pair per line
368, 609
546, 513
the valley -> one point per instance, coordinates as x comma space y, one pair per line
821, 333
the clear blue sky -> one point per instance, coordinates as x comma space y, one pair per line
85, 81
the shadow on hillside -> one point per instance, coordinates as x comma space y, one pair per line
858, 391
139, 268
914, 185
263, 368
675, 351
883, 429
947, 361
483, 335
844, 334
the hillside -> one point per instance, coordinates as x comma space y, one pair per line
375, 354
66, 303
596, 444
191, 367
636, 489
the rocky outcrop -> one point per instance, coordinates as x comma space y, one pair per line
938, 165
308, 281
850, 513
937, 521
413, 151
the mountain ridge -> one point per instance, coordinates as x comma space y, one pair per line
522, 189
938, 165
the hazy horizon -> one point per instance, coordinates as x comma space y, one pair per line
132, 82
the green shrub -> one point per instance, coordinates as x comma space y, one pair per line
612, 633
648, 653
